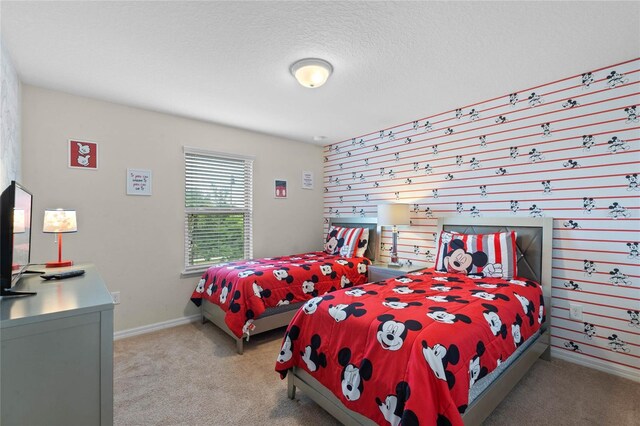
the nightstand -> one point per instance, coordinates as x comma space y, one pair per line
380, 271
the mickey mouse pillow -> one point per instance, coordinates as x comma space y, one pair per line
347, 242
487, 255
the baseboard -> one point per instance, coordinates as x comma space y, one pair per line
155, 327
596, 365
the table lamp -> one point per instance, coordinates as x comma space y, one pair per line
393, 215
59, 221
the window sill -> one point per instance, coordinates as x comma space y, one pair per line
196, 272
193, 273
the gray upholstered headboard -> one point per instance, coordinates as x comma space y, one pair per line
361, 222
533, 245
533, 242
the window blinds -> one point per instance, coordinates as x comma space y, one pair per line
218, 208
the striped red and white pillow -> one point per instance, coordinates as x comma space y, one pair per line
490, 255
343, 241
363, 243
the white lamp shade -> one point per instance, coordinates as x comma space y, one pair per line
311, 72
393, 214
18, 221
59, 220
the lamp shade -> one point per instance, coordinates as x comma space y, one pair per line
393, 214
59, 221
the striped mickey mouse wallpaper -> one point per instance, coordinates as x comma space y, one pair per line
568, 149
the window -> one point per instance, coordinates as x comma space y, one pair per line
218, 208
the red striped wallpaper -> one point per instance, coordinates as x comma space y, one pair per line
569, 149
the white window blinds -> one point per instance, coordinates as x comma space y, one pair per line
218, 208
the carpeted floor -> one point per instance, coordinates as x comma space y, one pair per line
191, 375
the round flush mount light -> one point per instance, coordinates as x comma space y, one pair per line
319, 138
311, 72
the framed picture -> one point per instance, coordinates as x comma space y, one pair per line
138, 182
280, 188
307, 180
83, 154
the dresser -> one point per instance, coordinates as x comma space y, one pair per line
56, 359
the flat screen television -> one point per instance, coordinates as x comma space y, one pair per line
15, 244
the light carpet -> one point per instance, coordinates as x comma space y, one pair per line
191, 375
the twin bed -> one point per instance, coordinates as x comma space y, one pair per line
452, 331
441, 347
253, 296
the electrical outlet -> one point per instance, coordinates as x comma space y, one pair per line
575, 312
115, 295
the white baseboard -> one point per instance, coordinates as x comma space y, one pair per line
155, 327
596, 365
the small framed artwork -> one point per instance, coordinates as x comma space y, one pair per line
280, 188
138, 182
83, 154
307, 180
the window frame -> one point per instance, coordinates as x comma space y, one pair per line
188, 268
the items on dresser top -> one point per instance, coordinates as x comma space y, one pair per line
59, 221
62, 275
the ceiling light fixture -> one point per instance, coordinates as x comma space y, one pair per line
311, 72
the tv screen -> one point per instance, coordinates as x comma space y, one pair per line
15, 226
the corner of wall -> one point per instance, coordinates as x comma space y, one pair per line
10, 120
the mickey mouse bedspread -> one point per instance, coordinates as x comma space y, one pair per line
407, 350
245, 289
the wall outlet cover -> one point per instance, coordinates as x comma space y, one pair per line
115, 295
575, 312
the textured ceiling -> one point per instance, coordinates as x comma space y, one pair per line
228, 62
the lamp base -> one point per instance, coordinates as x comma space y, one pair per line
394, 264
59, 264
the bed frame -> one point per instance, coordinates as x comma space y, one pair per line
281, 316
534, 245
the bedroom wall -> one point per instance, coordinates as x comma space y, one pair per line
572, 154
137, 242
10, 147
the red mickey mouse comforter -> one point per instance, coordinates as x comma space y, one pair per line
246, 288
407, 350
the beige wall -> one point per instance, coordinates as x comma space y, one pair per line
137, 242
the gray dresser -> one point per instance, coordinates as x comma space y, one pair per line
56, 355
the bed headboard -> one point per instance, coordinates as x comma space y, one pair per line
361, 222
533, 243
